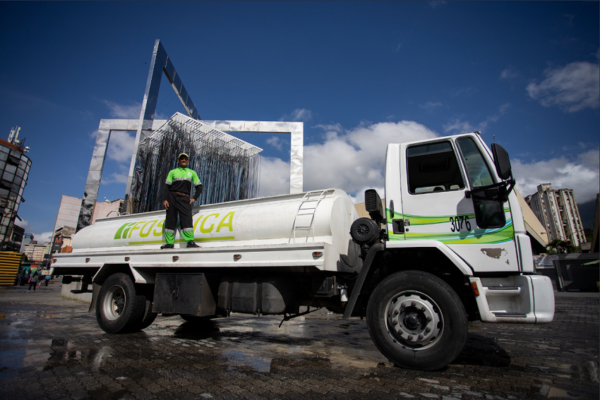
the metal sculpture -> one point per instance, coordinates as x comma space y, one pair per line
228, 167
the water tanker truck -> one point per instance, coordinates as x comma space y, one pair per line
449, 246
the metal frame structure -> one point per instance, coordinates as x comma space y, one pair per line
144, 126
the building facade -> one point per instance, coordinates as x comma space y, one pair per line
69, 209
558, 212
14, 170
35, 252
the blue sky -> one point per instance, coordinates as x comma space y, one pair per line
358, 74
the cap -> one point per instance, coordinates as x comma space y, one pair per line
183, 154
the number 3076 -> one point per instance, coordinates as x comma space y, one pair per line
459, 222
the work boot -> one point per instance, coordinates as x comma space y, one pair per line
191, 244
167, 246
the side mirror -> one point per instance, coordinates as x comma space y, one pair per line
373, 205
501, 161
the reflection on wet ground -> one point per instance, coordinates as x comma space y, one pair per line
52, 348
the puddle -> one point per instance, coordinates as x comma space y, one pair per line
236, 343
237, 359
10, 361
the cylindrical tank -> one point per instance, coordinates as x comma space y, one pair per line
310, 217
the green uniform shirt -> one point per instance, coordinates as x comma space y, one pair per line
181, 180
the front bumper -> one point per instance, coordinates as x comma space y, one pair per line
522, 299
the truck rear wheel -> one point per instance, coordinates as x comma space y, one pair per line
149, 316
417, 320
119, 309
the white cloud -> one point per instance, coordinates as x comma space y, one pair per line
131, 111
43, 237
120, 147
509, 73
580, 174
456, 125
299, 114
274, 177
116, 178
465, 92
398, 46
501, 111
275, 141
23, 224
430, 105
572, 88
352, 160
355, 159
337, 128
360, 194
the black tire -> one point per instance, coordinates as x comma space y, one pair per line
119, 308
417, 321
149, 316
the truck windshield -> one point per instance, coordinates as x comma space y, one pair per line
489, 213
477, 170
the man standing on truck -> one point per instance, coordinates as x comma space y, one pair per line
178, 200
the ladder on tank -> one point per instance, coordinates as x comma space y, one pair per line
305, 216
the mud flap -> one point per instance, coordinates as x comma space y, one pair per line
361, 278
95, 291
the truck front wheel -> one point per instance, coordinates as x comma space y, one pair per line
119, 309
417, 320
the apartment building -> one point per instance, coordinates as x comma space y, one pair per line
35, 252
558, 212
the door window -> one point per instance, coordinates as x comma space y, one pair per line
433, 167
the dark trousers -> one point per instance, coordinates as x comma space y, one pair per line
179, 205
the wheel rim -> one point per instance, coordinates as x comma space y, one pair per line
114, 303
413, 320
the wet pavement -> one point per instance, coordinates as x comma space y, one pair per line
52, 348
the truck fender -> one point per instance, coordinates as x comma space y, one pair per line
447, 251
361, 278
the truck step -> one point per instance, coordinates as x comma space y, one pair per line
78, 291
509, 315
503, 288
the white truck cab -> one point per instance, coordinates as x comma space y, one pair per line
448, 247
451, 198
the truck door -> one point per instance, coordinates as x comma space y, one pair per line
437, 203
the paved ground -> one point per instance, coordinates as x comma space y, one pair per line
52, 348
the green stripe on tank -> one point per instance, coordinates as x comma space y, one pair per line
183, 240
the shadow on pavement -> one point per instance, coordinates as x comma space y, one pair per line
480, 350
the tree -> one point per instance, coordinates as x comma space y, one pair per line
558, 246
